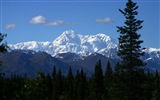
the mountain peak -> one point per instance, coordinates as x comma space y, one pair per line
101, 34
70, 41
69, 33
68, 36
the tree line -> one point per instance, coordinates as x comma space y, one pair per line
110, 85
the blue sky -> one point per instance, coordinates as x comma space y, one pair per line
44, 20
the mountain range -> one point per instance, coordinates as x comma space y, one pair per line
75, 50
70, 41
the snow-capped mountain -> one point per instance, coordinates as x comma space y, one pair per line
84, 45
76, 49
70, 41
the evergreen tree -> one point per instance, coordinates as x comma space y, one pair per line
98, 83
54, 72
82, 87
90, 88
40, 87
108, 78
130, 50
70, 85
108, 72
148, 86
58, 89
156, 91
49, 87
3, 46
76, 83
1, 85
36, 89
116, 88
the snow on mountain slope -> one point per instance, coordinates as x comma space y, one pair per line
73, 46
32, 45
153, 53
97, 43
70, 41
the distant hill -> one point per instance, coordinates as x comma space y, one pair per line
30, 62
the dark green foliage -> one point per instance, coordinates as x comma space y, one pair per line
11, 88
38, 88
110, 86
3, 46
129, 41
58, 86
49, 85
148, 86
98, 83
82, 87
76, 83
156, 91
108, 73
70, 81
108, 78
129, 74
54, 73
116, 88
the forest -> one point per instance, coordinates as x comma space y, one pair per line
110, 85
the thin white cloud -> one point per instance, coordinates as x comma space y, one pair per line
104, 20
10, 26
42, 21
38, 20
54, 23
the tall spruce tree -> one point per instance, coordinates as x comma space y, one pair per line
82, 87
3, 46
49, 86
70, 88
54, 73
130, 49
108, 78
98, 82
108, 73
58, 86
